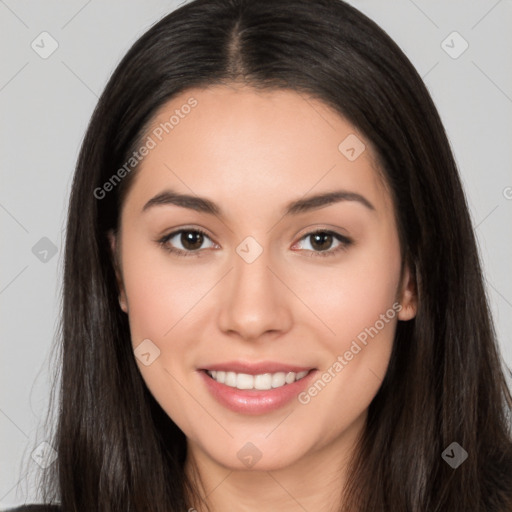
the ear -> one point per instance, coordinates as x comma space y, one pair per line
408, 295
113, 240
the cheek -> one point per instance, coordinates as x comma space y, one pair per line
359, 304
160, 293
351, 295
163, 301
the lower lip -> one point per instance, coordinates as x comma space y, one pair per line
254, 401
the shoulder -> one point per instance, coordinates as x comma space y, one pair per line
35, 508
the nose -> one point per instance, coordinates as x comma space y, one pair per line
254, 302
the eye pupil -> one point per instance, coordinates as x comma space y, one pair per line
319, 239
191, 240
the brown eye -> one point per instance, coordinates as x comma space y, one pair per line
325, 243
186, 242
321, 241
191, 240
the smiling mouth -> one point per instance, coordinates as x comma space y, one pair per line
259, 382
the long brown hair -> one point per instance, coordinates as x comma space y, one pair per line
117, 449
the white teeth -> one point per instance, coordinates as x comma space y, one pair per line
278, 379
244, 381
261, 382
230, 379
290, 377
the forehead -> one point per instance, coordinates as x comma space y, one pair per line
237, 144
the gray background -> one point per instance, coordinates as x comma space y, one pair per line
46, 105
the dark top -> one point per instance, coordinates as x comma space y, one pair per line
35, 508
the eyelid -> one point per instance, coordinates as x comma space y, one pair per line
162, 241
344, 241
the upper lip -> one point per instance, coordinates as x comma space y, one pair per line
255, 368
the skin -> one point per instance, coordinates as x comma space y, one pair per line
252, 152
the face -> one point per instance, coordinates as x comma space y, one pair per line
250, 283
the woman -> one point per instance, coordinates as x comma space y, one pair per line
272, 291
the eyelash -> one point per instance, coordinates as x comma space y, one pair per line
345, 242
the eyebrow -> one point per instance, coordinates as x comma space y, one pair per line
204, 205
